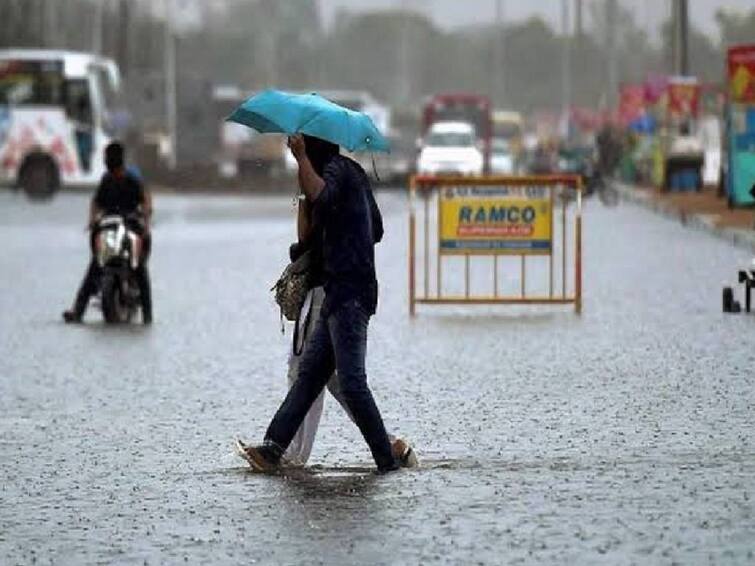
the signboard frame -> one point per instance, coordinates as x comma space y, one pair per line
564, 190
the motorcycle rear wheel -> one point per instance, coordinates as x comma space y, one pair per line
113, 307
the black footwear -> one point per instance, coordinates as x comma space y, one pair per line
392, 468
404, 454
146, 318
264, 458
71, 317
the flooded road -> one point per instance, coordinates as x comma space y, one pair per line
622, 436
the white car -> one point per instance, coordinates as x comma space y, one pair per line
502, 160
450, 148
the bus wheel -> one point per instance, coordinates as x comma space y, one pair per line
39, 177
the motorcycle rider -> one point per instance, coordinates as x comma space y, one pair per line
120, 193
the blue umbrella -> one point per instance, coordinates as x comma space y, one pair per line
275, 111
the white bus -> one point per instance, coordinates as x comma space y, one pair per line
54, 118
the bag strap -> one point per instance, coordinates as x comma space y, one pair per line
298, 325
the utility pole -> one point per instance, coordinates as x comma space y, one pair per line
169, 53
57, 23
579, 48
272, 12
48, 24
684, 37
499, 70
404, 75
124, 37
612, 48
565, 63
97, 27
680, 37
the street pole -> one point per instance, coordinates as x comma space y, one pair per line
565, 65
124, 37
48, 27
404, 74
272, 40
611, 44
97, 27
169, 49
499, 71
675, 37
683, 38
679, 37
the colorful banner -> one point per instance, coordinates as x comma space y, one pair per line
683, 97
741, 73
495, 220
712, 99
656, 87
631, 102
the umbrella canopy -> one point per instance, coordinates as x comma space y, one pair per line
275, 111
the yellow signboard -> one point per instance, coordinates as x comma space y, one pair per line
495, 220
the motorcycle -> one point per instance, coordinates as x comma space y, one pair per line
117, 250
593, 181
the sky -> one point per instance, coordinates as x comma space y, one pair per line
454, 13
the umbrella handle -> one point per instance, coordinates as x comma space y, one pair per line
374, 167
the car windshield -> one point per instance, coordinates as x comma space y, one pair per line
507, 129
500, 147
450, 139
474, 113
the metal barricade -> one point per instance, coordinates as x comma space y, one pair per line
495, 219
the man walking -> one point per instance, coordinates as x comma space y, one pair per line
339, 193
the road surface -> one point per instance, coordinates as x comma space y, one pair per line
624, 436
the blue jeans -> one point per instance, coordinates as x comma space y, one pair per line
338, 342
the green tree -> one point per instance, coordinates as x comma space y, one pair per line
386, 53
736, 27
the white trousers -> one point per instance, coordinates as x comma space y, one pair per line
301, 446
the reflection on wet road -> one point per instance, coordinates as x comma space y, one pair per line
623, 436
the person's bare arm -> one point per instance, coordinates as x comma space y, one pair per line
304, 221
94, 212
309, 181
147, 205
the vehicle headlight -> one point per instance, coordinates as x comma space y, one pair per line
111, 241
108, 246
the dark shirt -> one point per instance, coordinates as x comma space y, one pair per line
119, 194
351, 224
313, 246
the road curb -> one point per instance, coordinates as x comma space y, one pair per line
702, 222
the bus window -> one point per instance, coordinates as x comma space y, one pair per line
31, 83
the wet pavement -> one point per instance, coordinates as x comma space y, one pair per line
624, 436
